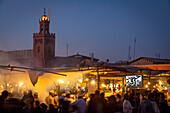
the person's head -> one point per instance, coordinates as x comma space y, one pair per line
5, 94
29, 92
43, 106
118, 96
97, 92
35, 95
112, 99
55, 93
36, 103
102, 94
126, 96
51, 93
91, 96
80, 96
68, 95
151, 96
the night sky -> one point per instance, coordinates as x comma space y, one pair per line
104, 27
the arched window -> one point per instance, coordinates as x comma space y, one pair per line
38, 49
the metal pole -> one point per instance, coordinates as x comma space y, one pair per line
123, 84
134, 49
98, 79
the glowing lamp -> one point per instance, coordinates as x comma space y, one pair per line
160, 82
87, 79
146, 86
60, 81
93, 82
20, 84
103, 85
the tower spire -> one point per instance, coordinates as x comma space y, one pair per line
44, 11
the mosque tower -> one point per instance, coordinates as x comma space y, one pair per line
43, 44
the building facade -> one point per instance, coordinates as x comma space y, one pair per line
43, 52
44, 45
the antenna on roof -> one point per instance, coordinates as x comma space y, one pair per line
134, 48
157, 55
129, 57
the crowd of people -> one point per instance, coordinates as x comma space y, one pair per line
96, 103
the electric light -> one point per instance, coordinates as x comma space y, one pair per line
44, 18
80, 80
103, 85
166, 88
7, 84
146, 86
149, 83
160, 82
154, 86
60, 81
2, 86
87, 79
20, 84
105, 72
93, 82
111, 85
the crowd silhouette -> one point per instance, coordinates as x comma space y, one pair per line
154, 102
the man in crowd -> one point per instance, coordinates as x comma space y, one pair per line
80, 104
50, 98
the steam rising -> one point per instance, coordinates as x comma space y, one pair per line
17, 82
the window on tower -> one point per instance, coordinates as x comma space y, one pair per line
38, 49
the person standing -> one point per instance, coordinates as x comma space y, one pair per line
37, 108
36, 98
80, 104
119, 101
146, 106
163, 106
3, 97
127, 107
151, 97
112, 105
98, 104
50, 98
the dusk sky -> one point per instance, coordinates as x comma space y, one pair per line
104, 27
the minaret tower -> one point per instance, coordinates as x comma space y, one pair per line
43, 44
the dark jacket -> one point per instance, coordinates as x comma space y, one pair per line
146, 107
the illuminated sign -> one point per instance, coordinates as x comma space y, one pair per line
134, 81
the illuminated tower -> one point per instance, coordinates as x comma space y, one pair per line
43, 44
